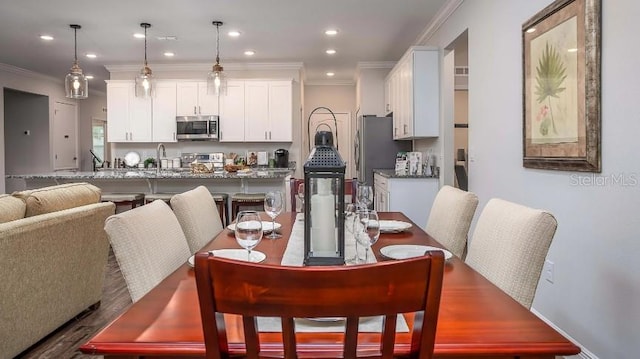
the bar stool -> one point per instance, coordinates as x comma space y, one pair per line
124, 199
148, 198
248, 200
221, 200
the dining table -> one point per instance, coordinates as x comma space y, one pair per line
476, 318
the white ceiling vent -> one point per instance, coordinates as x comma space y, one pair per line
461, 77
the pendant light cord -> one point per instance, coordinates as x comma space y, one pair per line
75, 45
145, 45
217, 43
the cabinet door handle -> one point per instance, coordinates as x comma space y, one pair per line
405, 129
199, 110
174, 136
265, 135
269, 134
194, 110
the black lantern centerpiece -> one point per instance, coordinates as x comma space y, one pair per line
324, 173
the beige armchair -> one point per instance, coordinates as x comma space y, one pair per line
148, 244
509, 247
198, 215
450, 218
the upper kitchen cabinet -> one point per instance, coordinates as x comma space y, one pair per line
128, 117
232, 113
412, 94
193, 100
164, 112
257, 111
133, 119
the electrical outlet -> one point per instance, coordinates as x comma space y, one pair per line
548, 271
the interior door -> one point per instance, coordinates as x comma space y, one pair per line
320, 121
65, 137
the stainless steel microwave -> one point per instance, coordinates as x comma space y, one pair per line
194, 128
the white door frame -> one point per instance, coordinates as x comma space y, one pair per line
345, 132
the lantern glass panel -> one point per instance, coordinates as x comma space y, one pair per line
324, 217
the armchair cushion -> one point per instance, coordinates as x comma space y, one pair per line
58, 198
11, 208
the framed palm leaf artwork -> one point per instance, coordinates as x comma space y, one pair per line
561, 87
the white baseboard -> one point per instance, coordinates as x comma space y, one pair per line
584, 353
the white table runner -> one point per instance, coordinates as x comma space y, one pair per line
294, 256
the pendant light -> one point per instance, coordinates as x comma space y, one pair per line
75, 83
216, 80
145, 81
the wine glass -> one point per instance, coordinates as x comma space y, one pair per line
364, 195
300, 195
273, 204
248, 230
349, 218
368, 230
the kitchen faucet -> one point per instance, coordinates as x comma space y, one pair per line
164, 154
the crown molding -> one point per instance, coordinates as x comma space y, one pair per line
443, 14
296, 66
28, 73
330, 83
375, 65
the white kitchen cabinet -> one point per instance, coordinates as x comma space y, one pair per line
232, 112
164, 112
192, 99
128, 117
257, 111
413, 94
412, 196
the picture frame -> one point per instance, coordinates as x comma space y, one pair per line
561, 87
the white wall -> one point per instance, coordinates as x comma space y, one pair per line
595, 297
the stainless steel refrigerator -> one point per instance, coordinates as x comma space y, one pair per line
375, 147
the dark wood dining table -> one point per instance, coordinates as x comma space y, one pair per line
476, 318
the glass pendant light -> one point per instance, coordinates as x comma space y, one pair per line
75, 83
145, 81
216, 80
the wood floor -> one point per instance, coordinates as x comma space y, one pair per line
64, 342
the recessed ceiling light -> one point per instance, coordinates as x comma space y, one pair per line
330, 74
167, 38
234, 33
169, 54
331, 32
249, 52
531, 29
46, 37
572, 50
331, 51
138, 35
91, 56
89, 77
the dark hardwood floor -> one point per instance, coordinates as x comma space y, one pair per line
64, 342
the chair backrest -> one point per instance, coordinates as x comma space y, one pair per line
450, 218
198, 215
148, 244
258, 290
509, 247
349, 191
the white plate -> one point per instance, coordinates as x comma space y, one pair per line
404, 251
232, 253
393, 226
266, 226
131, 159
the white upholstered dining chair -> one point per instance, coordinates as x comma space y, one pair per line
509, 246
198, 215
450, 218
148, 244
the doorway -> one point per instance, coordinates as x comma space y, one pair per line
460, 129
65, 136
323, 121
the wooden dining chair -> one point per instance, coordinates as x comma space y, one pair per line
198, 215
509, 247
257, 290
450, 218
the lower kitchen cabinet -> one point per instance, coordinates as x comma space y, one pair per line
412, 196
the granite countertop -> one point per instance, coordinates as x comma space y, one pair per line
134, 173
392, 174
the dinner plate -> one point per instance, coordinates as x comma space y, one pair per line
234, 253
390, 226
131, 159
404, 251
267, 226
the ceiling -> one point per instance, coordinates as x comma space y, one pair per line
277, 30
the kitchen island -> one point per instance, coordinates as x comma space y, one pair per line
149, 181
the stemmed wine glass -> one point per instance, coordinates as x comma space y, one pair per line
248, 230
368, 230
273, 204
364, 195
349, 218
